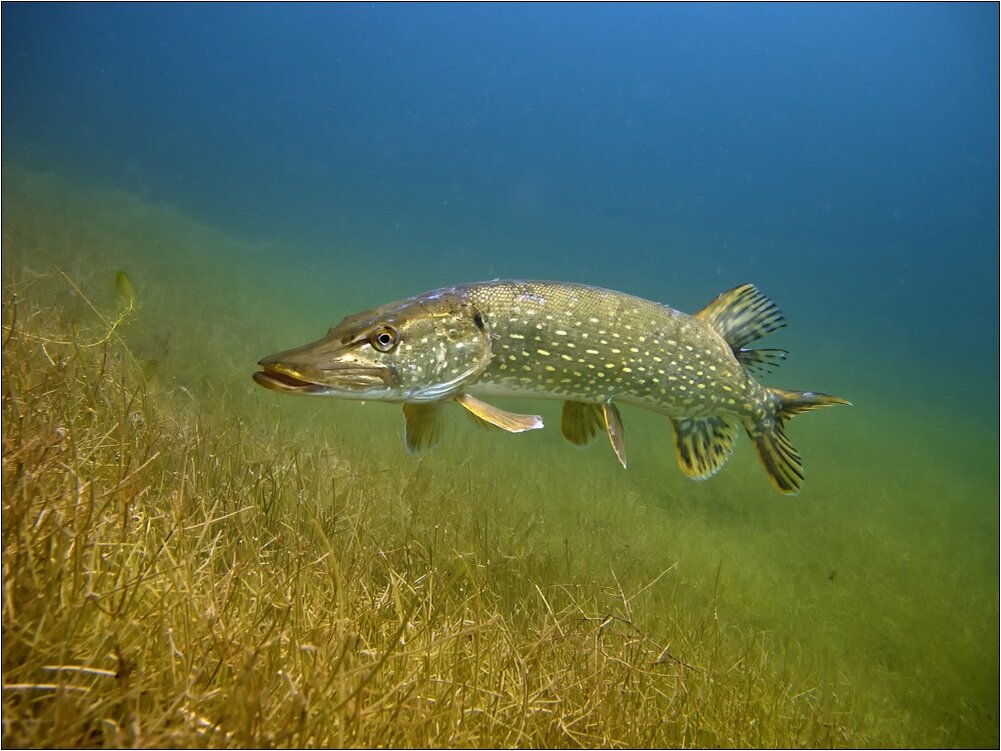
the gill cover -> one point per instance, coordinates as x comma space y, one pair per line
421, 349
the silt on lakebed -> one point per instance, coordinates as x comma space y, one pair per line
587, 346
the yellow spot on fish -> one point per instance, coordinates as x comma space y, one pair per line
543, 352
591, 351
516, 336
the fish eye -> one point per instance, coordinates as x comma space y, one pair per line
384, 339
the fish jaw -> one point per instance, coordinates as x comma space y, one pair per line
422, 349
323, 368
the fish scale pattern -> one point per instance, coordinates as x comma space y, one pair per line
589, 344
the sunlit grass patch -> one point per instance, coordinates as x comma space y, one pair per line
189, 559
175, 578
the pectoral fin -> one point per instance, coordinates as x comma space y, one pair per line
613, 423
425, 424
581, 422
509, 421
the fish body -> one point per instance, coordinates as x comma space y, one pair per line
590, 347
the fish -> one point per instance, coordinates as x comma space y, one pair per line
592, 348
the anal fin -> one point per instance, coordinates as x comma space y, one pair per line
703, 444
512, 422
425, 424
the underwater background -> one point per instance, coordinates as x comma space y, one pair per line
260, 171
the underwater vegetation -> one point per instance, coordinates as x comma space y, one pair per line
188, 562
171, 580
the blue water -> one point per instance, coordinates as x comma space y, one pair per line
843, 157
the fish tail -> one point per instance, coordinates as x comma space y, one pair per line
781, 460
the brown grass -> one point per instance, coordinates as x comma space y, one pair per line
172, 578
188, 559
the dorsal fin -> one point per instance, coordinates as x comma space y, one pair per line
742, 315
761, 360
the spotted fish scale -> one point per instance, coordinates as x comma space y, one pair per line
570, 341
592, 348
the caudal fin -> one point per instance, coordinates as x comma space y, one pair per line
781, 461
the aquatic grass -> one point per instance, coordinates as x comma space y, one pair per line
191, 560
174, 579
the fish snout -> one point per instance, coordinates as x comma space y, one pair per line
317, 369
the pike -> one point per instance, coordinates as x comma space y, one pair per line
592, 348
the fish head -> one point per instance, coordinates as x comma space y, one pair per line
420, 349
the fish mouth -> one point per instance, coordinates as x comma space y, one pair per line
344, 380
276, 380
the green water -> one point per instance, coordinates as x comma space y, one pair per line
881, 576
